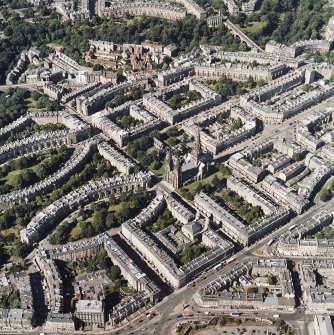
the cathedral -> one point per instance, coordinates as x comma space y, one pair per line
181, 170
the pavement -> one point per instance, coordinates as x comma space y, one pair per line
27, 86
231, 330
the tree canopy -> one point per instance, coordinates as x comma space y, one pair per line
286, 21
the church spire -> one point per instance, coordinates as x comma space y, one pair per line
197, 150
177, 166
169, 160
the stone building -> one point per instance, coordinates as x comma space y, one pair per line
251, 195
174, 75
139, 8
134, 232
275, 48
90, 312
218, 140
76, 161
233, 227
249, 57
307, 247
106, 121
193, 8
216, 294
239, 72
232, 7
194, 166
53, 91
155, 104
52, 280
58, 322
116, 158
173, 171
16, 319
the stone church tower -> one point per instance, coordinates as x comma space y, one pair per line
173, 170
197, 149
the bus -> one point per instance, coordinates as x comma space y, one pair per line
292, 227
218, 266
270, 242
234, 314
230, 260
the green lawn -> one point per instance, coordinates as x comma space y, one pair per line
13, 230
254, 28
11, 245
54, 46
159, 172
8, 179
114, 208
75, 233
31, 104
10, 175
208, 180
77, 230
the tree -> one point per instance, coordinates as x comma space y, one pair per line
326, 195
156, 165
19, 249
260, 82
237, 124
250, 81
12, 102
332, 77
28, 176
14, 300
17, 181
35, 95
110, 220
74, 301
124, 213
86, 229
171, 141
10, 300
8, 31
6, 220
222, 321
21, 163
112, 199
296, 156
224, 170
98, 67
307, 88
114, 273
271, 280
61, 234
243, 47
173, 131
191, 252
199, 188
